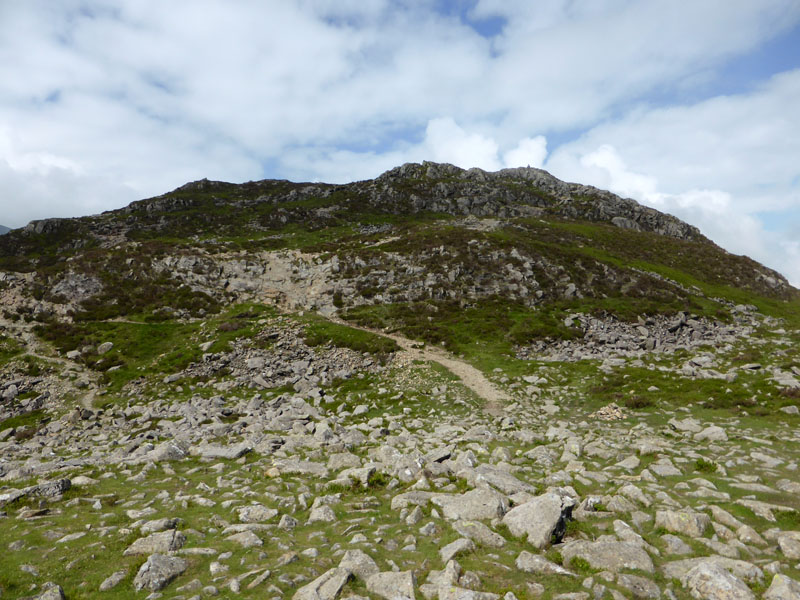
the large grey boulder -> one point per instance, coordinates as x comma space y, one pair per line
157, 525
708, 581
359, 563
166, 451
293, 466
782, 588
739, 568
392, 585
502, 480
453, 549
452, 592
110, 582
541, 519
479, 503
608, 555
325, 587
539, 565
215, 451
713, 433
256, 513
641, 588
158, 571
51, 591
246, 539
686, 522
322, 514
50, 489
161, 542
479, 533
789, 542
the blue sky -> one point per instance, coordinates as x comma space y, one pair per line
693, 108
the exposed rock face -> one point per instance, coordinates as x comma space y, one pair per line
482, 193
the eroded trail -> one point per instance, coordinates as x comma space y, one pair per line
495, 399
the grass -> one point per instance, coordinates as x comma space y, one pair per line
705, 466
28, 420
480, 331
9, 348
320, 332
144, 348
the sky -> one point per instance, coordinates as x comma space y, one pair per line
692, 108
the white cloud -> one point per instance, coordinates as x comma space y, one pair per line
446, 142
730, 224
530, 152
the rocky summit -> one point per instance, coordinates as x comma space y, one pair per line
437, 384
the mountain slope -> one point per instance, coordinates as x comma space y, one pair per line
4, 229
564, 236
451, 383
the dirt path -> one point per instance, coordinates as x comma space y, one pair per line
470, 376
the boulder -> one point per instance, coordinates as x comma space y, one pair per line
686, 522
51, 489
539, 565
158, 571
51, 591
256, 513
542, 519
246, 539
451, 592
713, 433
479, 503
161, 542
166, 451
708, 581
641, 588
739, 568
479, 533
789, 542
782, 588
113, 580
325, 587
453, 549
392, 585
359, 563
608, 556
215, 451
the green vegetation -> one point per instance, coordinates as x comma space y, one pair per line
27, 420
482, 332
705, 466
319, 332
9, 348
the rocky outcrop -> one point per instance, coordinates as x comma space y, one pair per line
520, 192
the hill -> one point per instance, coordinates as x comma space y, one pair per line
452, 383
4, 229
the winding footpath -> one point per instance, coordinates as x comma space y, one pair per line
494, 398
